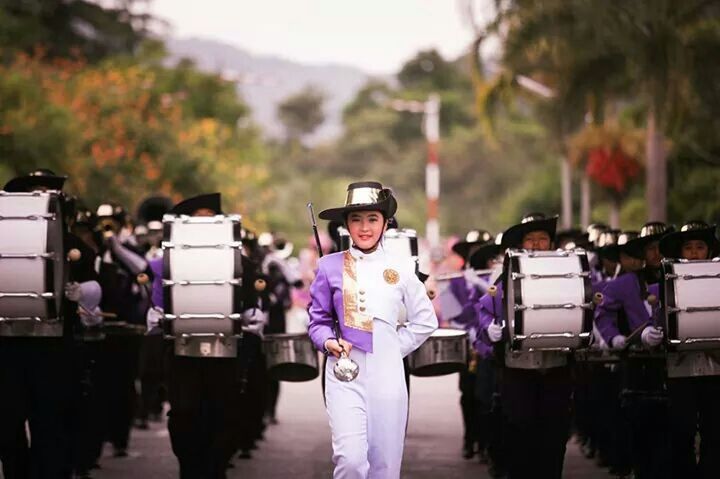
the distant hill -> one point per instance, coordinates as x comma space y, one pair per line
267, 80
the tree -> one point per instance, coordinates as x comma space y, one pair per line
71, 28
301, 113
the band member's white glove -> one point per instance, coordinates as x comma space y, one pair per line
471, 277
494, 332
73, 291
253, 321
651, 336
619, 341
153, 318
89, 318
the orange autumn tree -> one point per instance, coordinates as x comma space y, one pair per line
123, 131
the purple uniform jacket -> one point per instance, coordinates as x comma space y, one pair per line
487, 310
156, 265
467, 297
326, 306
624, 293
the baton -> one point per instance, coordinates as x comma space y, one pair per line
314, 228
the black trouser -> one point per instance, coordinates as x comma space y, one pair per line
610, 428
152, 376
87, 409
693, 408
35, 386
489, 416
117, 365
645, 405
206, 413
536, 404
468, 406
253, 373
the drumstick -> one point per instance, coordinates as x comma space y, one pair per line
144, 280
633, 334
492, 291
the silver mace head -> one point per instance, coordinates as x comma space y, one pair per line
345, 368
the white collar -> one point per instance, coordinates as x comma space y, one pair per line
378, 253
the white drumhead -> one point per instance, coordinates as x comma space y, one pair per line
697, 293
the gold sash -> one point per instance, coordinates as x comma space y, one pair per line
353, 318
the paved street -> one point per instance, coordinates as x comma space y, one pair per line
299, 446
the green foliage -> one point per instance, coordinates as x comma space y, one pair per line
302, 113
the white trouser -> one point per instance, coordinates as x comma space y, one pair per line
368, 416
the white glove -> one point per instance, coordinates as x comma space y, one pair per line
253, 321
91, 320
494, 332
619, 341
651, 336
471, 277
73, 292
153, 318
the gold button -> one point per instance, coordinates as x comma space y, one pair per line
362, 300
362, 308
362, 291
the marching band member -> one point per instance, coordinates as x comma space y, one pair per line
461, 288
206, 414
630, 305
486, 399
535, 402
118, 266
356, 299
692, 402
39, 376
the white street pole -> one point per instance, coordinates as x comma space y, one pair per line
432, 169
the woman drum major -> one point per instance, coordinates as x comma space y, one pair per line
357, 296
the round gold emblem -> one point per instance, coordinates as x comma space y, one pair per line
391, 276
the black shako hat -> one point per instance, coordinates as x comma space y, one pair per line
39, 178
363, 196
650, 232
473, 239
513, 236
671, 244
210, 201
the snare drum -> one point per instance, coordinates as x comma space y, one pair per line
32, 264
692, 304
444, 352
291, 357
548, 300
202, 279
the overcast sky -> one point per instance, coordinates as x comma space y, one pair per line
374, 35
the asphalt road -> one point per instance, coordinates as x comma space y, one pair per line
299, 445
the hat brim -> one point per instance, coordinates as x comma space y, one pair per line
387, 206
465, 249
635, 247
486, 252
611, 252
671, 244
27, 183
513, 236
211, 201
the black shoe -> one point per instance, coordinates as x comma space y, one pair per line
496, 472
483, 456
245, 454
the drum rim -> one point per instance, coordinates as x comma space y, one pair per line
449, 333
269, 337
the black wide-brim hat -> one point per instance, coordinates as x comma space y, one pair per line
210, 201
671, 244
473, 240
649, 233
484, 253
363, 196
513, 236
27, 183
611, 252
